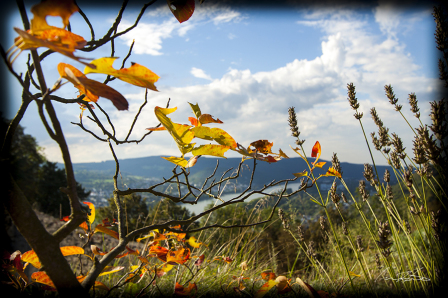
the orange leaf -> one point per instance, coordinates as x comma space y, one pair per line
83, 225
103, 229
178, 257
262, 146
194, 121
71, 41
156, 128
182, 291
137, 74
31, 257
43, 278
159, 251
268, 275
56, 8
315, 152
207, 118
92, 89
181, 9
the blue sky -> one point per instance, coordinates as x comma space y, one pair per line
247, 65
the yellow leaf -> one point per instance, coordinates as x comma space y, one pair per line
216, 134
265, 288
181, 133
213, 150
282, 154
193, 243
137, 74
91, 217
103, 229
332, 172
354, 274
110, 270
301, 174
262, 146
319, 164
180, 161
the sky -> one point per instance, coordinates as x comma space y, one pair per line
246, 65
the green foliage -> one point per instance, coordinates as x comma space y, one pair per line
134, 207
39, 179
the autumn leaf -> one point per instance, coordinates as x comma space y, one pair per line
194, 121
83, 226
137, 74
159, 251
319, 164
265, 288
301, 174
65, 44
180, 161
181, 9
43, 278
332, 172
91, 216
179, 256
196, 110
210, 149
110, 270
92, 89
267, 275
56, 8
282, 154
315, 152
156, 128
207, 118
180, 132
193, 243
31, 257
216, 134
103, 229
262, 146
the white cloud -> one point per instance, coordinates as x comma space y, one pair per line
199, 73
254, 105
149, 36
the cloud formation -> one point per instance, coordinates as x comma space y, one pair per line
254, 105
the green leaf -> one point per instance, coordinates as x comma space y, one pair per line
196, 110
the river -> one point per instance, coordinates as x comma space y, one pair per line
199, 207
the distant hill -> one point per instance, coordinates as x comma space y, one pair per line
153, 168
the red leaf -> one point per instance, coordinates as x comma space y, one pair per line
181, 9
